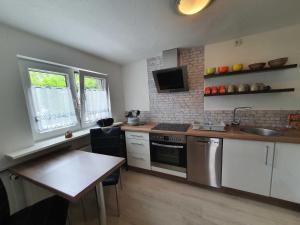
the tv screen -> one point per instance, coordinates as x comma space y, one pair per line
171, 80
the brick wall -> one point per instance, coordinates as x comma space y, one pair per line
181, 107
266, 118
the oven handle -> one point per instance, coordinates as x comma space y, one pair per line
168, 146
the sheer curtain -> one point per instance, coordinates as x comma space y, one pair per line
96, 101
54, 108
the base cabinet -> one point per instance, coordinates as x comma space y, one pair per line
247, 165
286, 172
138, 150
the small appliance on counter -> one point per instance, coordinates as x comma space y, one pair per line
209, 126
133, 117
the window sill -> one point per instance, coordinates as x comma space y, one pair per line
43, 145
46, 144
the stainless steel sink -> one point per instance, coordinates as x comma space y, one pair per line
261, 131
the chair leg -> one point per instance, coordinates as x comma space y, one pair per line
69, 218
83, 210
117, 199
121, 183
98, 206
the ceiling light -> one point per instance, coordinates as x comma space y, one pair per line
190, 7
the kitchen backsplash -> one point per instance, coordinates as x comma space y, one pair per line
181, 107
267, 118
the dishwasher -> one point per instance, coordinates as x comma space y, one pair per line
204, 160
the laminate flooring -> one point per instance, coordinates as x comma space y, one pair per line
150, 200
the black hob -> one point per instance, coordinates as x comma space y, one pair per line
181, 127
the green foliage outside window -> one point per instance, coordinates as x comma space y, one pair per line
43, 79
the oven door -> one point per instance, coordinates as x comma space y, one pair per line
168, 154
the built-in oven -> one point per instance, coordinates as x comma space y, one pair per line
168, 154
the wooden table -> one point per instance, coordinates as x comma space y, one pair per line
71, 174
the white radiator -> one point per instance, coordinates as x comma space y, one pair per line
15, 192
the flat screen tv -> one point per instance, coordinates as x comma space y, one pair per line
171, 79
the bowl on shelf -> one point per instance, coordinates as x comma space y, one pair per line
222, 89
207, 90
278, 62
214, 90
243, 88
210, 70
223, 69
237, 67
231, 88
257, 66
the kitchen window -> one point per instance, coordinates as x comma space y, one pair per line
61, 98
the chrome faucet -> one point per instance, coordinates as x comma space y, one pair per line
236, 122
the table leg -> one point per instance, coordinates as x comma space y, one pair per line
101, 204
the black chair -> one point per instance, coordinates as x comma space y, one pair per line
51, 211
108, 141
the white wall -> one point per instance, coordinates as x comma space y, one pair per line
135, 85
15, 131
257, 48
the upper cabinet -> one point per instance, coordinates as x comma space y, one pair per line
286, 172
247, 165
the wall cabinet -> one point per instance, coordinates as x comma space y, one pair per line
138, 149
286, 172
247, 165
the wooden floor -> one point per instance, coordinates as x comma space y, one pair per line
149, 200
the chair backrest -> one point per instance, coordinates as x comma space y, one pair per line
106, 141
4, 207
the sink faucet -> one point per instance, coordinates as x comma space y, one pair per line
236, 122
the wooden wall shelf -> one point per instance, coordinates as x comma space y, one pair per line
256, 92
243, 72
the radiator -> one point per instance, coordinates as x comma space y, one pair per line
15, 192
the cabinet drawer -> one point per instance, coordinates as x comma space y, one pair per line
138, 160
137, 135
138, 146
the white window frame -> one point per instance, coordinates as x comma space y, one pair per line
26, 63
82, 74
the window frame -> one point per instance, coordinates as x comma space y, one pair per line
82, 74
25, 66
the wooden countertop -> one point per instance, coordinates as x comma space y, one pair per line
289, 135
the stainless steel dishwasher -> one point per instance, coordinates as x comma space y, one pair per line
204, 160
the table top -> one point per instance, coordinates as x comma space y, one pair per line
69, 174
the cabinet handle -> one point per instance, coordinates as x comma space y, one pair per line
134, 143
267, 155
138, 136
138, 158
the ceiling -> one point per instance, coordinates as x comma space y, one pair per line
127, 30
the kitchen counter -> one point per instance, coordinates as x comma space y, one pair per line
289, 135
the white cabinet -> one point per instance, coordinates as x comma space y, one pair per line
138, 149
286, 172
247, 165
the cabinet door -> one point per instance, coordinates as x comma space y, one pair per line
247, 165
138, 150
286, 172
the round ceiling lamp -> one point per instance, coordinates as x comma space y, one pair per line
190, 7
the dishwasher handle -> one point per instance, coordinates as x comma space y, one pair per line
206, 140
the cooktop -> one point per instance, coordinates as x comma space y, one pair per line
181, 127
